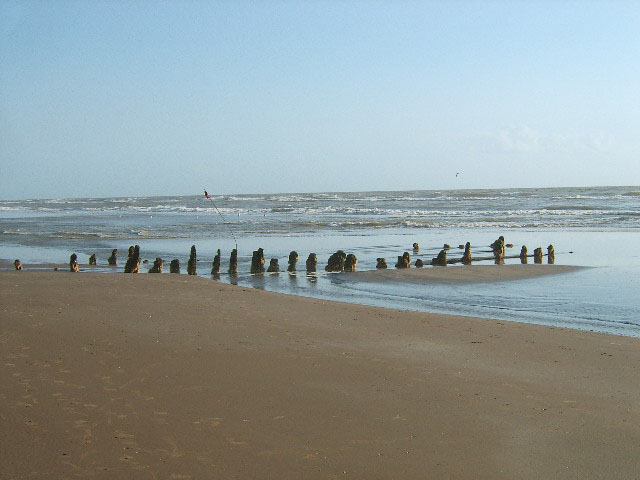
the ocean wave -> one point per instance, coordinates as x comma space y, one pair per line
78, 235
614, 207
574, 207
5, 208
598, 198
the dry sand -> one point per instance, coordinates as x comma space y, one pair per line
175, 377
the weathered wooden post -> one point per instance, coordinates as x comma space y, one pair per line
192, 268
537, 255
336, 262
441, 259
293, 259
233, 262
157, 266
215, 266
523, 255
466, 256
273, 267
133, 262
93, 259
381, 263
404, 261
312, 262
551, 255
174, 266
498, 247
17, 264
113, 259
498, 250
350, 263
73, 263
257, 261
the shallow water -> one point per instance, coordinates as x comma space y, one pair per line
592, 227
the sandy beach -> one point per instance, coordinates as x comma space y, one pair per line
178, 377
462, 274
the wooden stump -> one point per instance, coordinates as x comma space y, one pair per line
193, 260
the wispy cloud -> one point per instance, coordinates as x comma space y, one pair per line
524, 139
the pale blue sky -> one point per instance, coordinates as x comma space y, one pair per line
164, 98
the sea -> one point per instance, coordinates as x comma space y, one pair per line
597, 228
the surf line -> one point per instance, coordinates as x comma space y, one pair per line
208, 197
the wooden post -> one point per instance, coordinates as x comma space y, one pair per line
523, 255
274, 267
537, 255
336, 262
73, 263
466, 257
293, 259
233, 262
133, 261
404, 261
350, 263
257, 261
192, 264
312, 262
157, 266
215, 266
441, 259
174, 266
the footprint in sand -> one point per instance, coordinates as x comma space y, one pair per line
160, 417
125, 438
233, 441
211, 422
175, 451
87, 428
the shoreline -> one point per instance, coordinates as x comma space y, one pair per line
108, 375
449, 274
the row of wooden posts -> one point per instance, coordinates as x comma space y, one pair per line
338, 262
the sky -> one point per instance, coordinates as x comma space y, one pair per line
135, 98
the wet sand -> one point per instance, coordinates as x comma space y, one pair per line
165, 376
462, 273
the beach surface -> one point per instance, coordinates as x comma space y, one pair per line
462, 273
167, 376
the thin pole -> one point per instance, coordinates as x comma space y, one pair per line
223, 220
